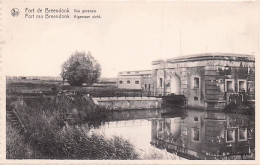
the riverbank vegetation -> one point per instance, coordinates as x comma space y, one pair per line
55, 130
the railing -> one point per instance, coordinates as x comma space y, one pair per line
235, 97
124, 94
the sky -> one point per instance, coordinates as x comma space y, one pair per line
129, 36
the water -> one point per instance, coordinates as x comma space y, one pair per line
191, 134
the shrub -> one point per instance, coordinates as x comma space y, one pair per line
78, 143
49, 133
16, 147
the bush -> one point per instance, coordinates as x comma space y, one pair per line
16, 147
78, 143
49, 133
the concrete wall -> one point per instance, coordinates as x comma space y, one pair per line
143, 78
123, 82
212, 74
128, 103
147, 83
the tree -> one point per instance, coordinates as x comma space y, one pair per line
81, 68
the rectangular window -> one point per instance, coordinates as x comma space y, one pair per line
242, 86
128, 82
136, 82
149, 86
230, 135
161, 82
196, 82
160, 125
242, 134
196, 98
196, 134
168, 84
120, 82
196, 119
145, 86
229, 86
184, 131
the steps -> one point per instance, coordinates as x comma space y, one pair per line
14, 119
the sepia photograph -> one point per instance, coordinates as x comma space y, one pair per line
129, 80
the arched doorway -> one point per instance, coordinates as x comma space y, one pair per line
176, 85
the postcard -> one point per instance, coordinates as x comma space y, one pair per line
129, 82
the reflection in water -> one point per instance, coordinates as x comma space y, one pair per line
205, 135
191, 134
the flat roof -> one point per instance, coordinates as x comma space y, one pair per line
136, 71
211, 56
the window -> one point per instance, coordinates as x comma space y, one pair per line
241, 85
168, 84
128, 82
196, 98
160, 125
196, 119
242, 134
230, 135
196, 82
161, 82
184, 131
128, 72
136, 82
149, 86
120, 82
145, 86
196, 134
229, 85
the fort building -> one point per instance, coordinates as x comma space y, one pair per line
208, 81
135, 80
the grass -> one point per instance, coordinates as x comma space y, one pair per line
36, 87
157, 154
52, 136
17, 147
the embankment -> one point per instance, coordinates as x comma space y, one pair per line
127, 103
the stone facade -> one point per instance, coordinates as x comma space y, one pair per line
128, 103
208, 81
135, 80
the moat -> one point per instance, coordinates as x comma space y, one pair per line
185, 133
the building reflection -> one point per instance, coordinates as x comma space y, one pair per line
205, 135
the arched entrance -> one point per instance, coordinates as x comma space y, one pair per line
176, 85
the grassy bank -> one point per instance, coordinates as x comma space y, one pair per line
70, 142
55, 130
44, 87
16, 145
